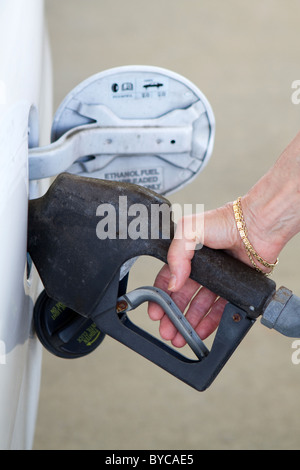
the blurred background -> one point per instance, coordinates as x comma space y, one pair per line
244, 56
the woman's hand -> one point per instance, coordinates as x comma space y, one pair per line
220, 232
271, 210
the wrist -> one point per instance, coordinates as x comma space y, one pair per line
257, 261
272, 214
276, 216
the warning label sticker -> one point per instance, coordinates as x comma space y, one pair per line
151, 178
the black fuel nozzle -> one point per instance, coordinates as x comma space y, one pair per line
81, 268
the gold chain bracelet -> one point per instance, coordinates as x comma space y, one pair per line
252, 254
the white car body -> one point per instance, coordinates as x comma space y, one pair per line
25, 116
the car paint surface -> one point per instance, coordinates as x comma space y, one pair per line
25, 114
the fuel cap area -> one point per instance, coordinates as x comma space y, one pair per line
62, 331
152, 127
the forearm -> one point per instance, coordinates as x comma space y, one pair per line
272, 206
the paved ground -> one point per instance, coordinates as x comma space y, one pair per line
244, 56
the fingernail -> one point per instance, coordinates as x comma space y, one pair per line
172, 282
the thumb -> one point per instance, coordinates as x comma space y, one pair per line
182, 250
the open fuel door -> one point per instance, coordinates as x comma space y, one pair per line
138, 124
